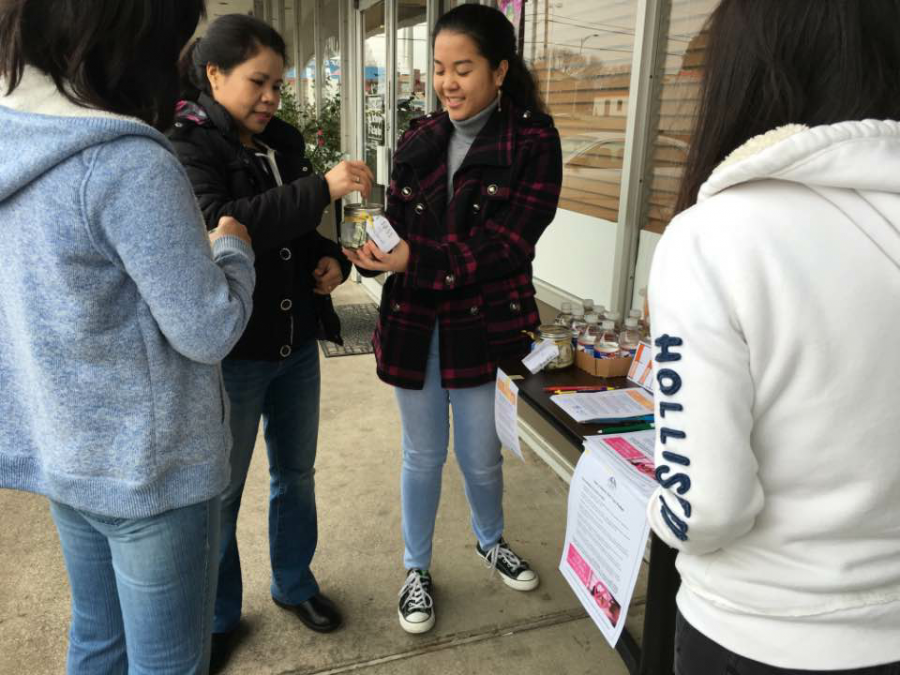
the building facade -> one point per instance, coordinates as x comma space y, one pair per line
620, 77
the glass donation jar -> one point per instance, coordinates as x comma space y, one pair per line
353, 226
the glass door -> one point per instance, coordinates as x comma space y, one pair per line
412, 62
374, 93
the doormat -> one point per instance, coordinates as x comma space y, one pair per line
357, 326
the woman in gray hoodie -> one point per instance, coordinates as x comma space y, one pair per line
115, 312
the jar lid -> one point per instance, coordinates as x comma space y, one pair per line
371, 209
554, 332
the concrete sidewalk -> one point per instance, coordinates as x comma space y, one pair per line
482, 626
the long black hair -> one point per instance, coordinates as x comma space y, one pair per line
495, 39
229, 41
121, 57
774, 62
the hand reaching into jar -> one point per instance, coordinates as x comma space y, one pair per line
350, 176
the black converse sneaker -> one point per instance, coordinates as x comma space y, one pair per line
514, 571
416, 604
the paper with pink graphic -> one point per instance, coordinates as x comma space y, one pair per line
606, 531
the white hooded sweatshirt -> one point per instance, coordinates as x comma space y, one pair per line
775, 305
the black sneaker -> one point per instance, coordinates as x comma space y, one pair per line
416, 610
514, 571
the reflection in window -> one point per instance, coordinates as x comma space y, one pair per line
581, 52
682, 51
412, 61
306, 52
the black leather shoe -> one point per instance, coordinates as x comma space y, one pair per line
318, 613
223, 646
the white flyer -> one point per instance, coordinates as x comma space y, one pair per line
381, 232
606, 405
506, 413
606, 534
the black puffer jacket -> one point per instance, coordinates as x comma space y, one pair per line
282, 221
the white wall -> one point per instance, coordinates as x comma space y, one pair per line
576, 259
646, 248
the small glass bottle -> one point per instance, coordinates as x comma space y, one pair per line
630, 338
577, 324
607, 344
588, 306
590, 334
564, 318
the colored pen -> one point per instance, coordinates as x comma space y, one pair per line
621, 420
625, 429
561, 389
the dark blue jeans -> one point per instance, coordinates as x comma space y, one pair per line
286, 396
696, 654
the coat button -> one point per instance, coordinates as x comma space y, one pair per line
492, 189
473, 310
420, 208
406, 192
476, 207
395, 307
305, 169
285, 253
514, 306
286, 305
449, 279
285, 351
178, 125
526, 115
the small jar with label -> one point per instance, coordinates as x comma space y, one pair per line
357, 217
562, 337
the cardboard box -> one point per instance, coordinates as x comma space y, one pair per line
602, 367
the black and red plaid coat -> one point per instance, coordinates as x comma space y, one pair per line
470, 257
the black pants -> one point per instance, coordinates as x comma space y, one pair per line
696, 654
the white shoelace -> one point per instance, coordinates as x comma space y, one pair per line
418, 596
499, 552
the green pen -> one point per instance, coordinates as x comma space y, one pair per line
625, 429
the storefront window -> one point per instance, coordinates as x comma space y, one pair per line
412, 61
305, 61
682, 50
374, 85
581, 52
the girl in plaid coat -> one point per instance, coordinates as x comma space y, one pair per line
472, 190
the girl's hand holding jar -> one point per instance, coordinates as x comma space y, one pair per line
370, 257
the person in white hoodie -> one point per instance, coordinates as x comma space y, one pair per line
774, 297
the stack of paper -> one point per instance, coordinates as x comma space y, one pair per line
604, 406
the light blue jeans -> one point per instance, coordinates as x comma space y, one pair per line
425, 418
142, 590
285, 394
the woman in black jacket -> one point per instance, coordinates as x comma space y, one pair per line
245, 163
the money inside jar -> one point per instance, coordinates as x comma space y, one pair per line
353, 227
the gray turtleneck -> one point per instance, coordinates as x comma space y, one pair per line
464, 134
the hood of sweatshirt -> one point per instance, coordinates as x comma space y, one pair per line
855, 165
42, 128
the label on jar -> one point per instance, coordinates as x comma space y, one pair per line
381, 232
542, 355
